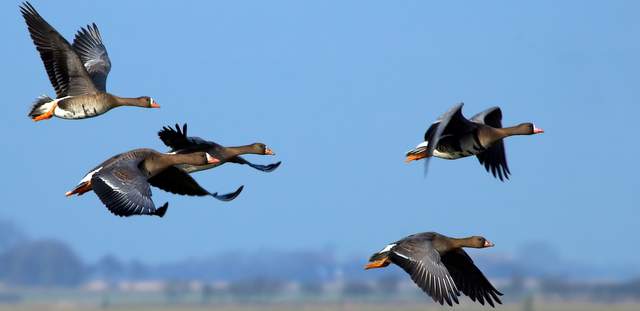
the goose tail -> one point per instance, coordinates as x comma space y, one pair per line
41, 106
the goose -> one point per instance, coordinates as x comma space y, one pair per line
179, 142
453, 136
440, 267
123, 181
78, 72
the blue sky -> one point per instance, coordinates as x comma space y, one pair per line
340, 90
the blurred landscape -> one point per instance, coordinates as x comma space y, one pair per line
49, 274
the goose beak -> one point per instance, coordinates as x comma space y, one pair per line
211, 160
537, 130
269, 152
488, 243
154, 104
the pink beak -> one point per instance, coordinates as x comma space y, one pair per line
537, 130
211, 160
488, 243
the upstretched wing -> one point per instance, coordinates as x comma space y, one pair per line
124, 190
93, 54
493, 159
265, 168
422, 262
177, 139
469, 279
451, 123
177, 181
64, 68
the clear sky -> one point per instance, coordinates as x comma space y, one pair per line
340, 90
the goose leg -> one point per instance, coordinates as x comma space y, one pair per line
80, 189
46, 115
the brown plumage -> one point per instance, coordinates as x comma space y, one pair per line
453, 136
122, 181
77, 72
179, 142
439, 266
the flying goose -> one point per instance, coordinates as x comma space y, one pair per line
452, 136
439, 266
77, 72
179, 142
122, 182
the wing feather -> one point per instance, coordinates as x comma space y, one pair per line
93, 54
124, 190
493, 159
64, 68
469, 278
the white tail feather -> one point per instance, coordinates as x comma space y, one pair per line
41, 105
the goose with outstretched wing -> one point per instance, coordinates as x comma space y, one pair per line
452, 136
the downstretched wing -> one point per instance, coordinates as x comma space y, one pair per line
124, 190
64, 68
493, 159
422, 262
177, 139
265, 168
93, 54
469, 279
177, 181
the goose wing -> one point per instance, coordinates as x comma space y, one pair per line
64, 68
93, 54
451, 123
265, 168
494, 159
422, 262
177, 181
469, 279
124, 190
177, 139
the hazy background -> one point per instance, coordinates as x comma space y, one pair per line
340, 90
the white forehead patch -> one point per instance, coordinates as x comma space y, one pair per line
422, 144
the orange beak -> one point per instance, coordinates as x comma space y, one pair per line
269, 152
414, 157
212, 160
154, 104
380, 263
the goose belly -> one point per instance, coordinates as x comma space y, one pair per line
452, 149
194, 168
78, 107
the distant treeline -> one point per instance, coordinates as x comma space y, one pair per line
26, 262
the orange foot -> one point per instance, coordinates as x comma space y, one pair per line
46, 115
80, 189
380, 263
